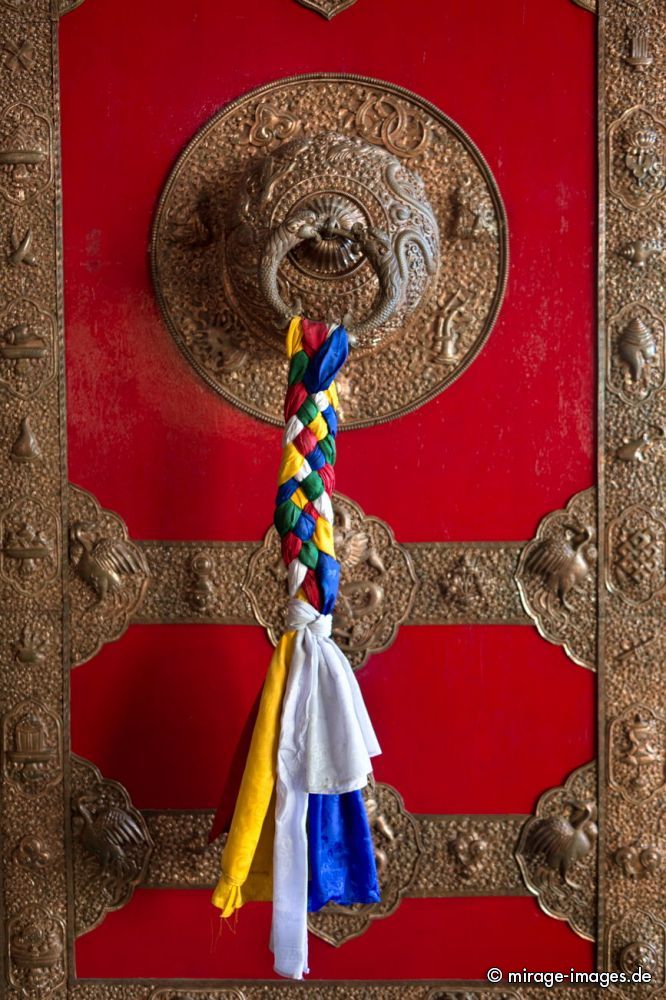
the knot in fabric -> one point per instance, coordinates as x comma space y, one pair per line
301, 615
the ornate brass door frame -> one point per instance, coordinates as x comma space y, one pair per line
37, 583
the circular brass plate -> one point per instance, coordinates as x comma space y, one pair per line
439, 339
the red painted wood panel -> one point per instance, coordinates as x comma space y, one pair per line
471, 719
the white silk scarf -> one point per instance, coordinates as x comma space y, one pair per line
326, 742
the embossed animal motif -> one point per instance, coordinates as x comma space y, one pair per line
562, 841
102, 564
381, 829
354, 547
298, 227
636, 449
109, 835
378, 249
355, 597
389, 261
637, 348
561, 563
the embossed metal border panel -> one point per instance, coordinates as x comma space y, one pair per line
631, 496
627, 545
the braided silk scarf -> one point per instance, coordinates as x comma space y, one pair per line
299, 832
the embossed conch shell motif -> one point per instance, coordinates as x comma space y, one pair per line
637, 347
636, 361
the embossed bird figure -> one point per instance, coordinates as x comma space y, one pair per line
109, 835
562, 563
353, 547
563, 840
102, 563
355, 597
641, 251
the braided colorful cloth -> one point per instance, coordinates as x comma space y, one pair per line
299, 832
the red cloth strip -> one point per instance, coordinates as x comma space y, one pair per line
314, 335
311, 589
311, 510
296, 396
291, 546
327, 475
306, 441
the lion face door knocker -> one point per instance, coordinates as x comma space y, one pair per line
342, 197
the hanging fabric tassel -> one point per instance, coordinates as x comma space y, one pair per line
299, 832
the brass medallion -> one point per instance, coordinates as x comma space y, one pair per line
111, 845
108, 575
557, 854
377, 588
557, 580
363, 154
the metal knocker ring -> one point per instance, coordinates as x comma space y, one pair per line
373, 243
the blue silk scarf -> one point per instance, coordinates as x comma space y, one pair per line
341, 852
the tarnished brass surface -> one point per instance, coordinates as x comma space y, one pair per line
36, 929
557, 851
329, 8
470, 583
197, 994
264, 157
556, 576
429, 583
346, 207
385, 584
632, 493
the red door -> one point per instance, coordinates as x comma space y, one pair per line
477, 713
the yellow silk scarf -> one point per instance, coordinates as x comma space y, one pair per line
247, 859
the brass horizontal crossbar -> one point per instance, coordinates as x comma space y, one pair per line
458, 583
183, 859
548, 581
416, 856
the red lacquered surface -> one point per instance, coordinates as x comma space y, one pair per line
470, 719
162, 709
181, 937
